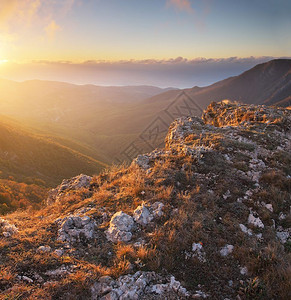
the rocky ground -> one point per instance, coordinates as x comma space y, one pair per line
208, 217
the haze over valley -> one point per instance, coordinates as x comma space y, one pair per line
100, 121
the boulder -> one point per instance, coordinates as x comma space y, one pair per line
120, 227
157, 209
142, 215
73, 227
44, 249
256, 221
7, 229
226, 250
77, 182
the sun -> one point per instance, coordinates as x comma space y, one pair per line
3, 61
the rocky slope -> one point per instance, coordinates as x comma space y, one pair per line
208, 216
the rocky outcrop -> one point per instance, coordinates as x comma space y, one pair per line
75, 183
120, 227
141, 285
226, 113
74, 228
142, 215
255, 221
226, 250
211, 209
7, 229
122, 224
145, 161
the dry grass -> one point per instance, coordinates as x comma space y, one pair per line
197, 209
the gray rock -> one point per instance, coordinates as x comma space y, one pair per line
80, 181
25, 278
244, 271
157, 209
142, 161
283, 234
120, 228
7, 229
226, 250
57, 272
256, 221
122, 221
142, 215
59, 252
141, 285
245, 229
73, 227
113, 234
44, 249
197, 249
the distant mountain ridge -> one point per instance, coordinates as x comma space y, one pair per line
268, 83
102, 121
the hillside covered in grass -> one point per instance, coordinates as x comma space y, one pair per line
206, 217
15, 195
102, 121
31, 158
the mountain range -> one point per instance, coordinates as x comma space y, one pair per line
205, 217
97, 123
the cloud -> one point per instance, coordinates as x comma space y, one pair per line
177, 72
16, 12
171, 61
6, 9
51, 29
18, 16
183, 5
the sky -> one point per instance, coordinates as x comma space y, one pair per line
138, 41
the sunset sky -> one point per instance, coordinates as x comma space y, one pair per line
99, 33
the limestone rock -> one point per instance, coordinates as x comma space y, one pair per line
245, 229
72, 228
58, 272
120, 227
142, 215
283, 234
226, 250
7, 229
244, 271
59, 252
141, 285
157, 209
142, 161
44, 249
256, 221
122, 221
77, 182
197, 248
113, 234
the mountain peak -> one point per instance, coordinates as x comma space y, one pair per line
207, 211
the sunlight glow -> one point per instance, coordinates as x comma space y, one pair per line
3, 61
